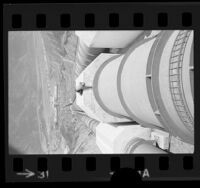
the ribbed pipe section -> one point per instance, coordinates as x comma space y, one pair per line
139, 145
84, 56
176, 79
90, 123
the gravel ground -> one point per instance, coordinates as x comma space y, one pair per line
61, 52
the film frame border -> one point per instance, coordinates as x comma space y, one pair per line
116, 16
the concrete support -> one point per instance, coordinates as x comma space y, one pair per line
122, 138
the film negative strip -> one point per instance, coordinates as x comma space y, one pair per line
101, 92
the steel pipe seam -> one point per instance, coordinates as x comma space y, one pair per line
119, 84
149, 81
157, 106
96, 91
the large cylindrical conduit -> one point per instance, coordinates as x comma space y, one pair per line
152, 83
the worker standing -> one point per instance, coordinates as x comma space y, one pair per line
81, 87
